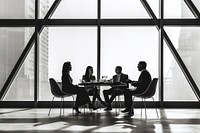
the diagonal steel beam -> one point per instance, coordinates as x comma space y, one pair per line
151, 13
25, 52
192, 8
174, 52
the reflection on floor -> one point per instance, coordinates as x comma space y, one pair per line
36, 120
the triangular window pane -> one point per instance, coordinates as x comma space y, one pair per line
176, 9
154, 4
123, 9
186, 41
22, 88
76, 9
176, 87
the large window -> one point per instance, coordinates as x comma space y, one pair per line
102, 34
74, 44
185, 40
126, 46
12, 44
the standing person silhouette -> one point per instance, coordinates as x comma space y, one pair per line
141, 86
68, 87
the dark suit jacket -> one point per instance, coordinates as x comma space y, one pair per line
123, 79
143, 81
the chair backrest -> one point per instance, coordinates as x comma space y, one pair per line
151, 89
55, 89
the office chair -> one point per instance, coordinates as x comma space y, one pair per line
57, 92
149, 93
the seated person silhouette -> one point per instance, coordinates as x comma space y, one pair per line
92, 91
68, 87
141, 86
115, 90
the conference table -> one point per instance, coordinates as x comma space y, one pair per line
105, 83
102, 83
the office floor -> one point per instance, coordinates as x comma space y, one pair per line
23, 120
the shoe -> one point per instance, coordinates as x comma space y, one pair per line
93, 107
108, 109
130, 113
125, 110
76, 109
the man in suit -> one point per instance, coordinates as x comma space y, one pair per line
141, 86
115, 90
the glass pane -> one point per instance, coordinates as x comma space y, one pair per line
76, 9
12, 43
44, 7
186, 41
22, 88
154, 4
17, 9
126, 46
188, 48
174, 80
176, 9
123, 9
75, 44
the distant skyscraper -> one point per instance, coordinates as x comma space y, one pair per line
12, 43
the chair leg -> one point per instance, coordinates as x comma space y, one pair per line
145, 109
119, 102
155, 108
73, 105
51, 106
61, 107
116, 105
141, 110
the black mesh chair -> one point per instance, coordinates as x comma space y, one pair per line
57, 92
149, 93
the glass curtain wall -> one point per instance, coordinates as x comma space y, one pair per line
123, 45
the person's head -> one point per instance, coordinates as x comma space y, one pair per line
89, 70
142, 65
66, 67
118, 70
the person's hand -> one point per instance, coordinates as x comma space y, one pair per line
133, 82
128, 81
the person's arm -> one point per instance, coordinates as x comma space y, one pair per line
93, 78
114, 79
142, 79
83, 78
125, 81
